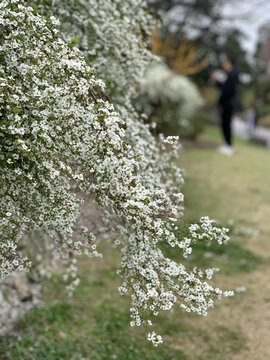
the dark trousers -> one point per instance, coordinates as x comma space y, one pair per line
226, 122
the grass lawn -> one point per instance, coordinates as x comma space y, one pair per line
94, 324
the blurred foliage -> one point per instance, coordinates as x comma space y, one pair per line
201, 18
231, 44
203, 118
200, 23
265, 120
210, 95
248, 98
183, 58
264, 110
262, 88
258, 59
257, 96
170, 101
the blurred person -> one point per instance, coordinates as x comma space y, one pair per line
227, 83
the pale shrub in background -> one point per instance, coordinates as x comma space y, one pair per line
170, 100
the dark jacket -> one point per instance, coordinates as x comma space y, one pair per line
228, 89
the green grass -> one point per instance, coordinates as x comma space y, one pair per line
231, 259
81, 328
226, 187
94, 324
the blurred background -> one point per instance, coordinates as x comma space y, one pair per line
194, 40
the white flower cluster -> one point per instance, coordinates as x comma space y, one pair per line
112, 35
206, 232
158, 283
54, 129
58, 128
154, 338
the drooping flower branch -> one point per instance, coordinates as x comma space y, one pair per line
57, 128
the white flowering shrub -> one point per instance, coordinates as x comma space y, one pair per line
47, 101
162, 84
112, 35
62, 143
170, 100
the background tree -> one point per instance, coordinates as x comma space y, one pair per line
231, 43
198, 20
